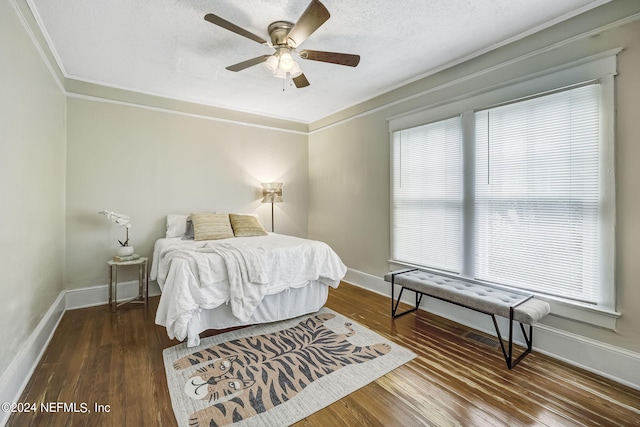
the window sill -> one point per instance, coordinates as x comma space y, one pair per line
582, 312
572, 310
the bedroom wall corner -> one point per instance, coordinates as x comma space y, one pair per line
349, 189
32, 174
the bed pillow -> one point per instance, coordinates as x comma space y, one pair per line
176, 225
246, 225
211, 226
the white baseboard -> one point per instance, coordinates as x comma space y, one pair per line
99, 295
18, 373
609, 361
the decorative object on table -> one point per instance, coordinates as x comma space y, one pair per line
216, 383
272, 193
123, 258
123, 220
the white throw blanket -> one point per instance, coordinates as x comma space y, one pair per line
238, 271
247, 278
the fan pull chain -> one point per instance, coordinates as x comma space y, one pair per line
287, 78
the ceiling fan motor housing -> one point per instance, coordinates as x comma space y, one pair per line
278, 32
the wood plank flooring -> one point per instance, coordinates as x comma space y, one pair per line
97, 357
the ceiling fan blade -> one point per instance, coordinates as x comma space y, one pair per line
312, 18
300, 81
332, 57
248, 63
214, 19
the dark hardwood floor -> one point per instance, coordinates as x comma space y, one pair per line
100, 358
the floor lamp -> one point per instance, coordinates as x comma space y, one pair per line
272, 193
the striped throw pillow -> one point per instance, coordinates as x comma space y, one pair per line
246, 226
211, 226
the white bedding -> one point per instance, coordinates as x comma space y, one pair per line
240, 272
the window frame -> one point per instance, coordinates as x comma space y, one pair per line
601, 67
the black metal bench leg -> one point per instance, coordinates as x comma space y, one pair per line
510, 362
508, 355
396, 303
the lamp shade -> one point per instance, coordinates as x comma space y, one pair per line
271, 64
271, 192
295, 70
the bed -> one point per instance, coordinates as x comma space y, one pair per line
234, 281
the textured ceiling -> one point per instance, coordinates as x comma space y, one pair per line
166, 48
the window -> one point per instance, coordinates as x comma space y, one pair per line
537, 194
519, 194
427, 203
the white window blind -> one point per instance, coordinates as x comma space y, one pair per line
427, 195
537, 194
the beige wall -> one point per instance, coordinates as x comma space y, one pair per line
349, 158
349, 187
32, 171
148, 163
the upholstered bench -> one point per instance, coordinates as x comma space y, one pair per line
515, 306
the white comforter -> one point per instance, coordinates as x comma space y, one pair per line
240, 271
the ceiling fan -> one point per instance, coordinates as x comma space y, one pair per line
285, 38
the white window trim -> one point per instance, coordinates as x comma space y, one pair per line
601, 67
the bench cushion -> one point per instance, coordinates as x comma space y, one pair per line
531, 311
476, 296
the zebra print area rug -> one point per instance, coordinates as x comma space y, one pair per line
276, 374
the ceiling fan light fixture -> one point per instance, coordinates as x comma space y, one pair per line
295, 70
271, 64
291, 74
286, 61
281, 74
